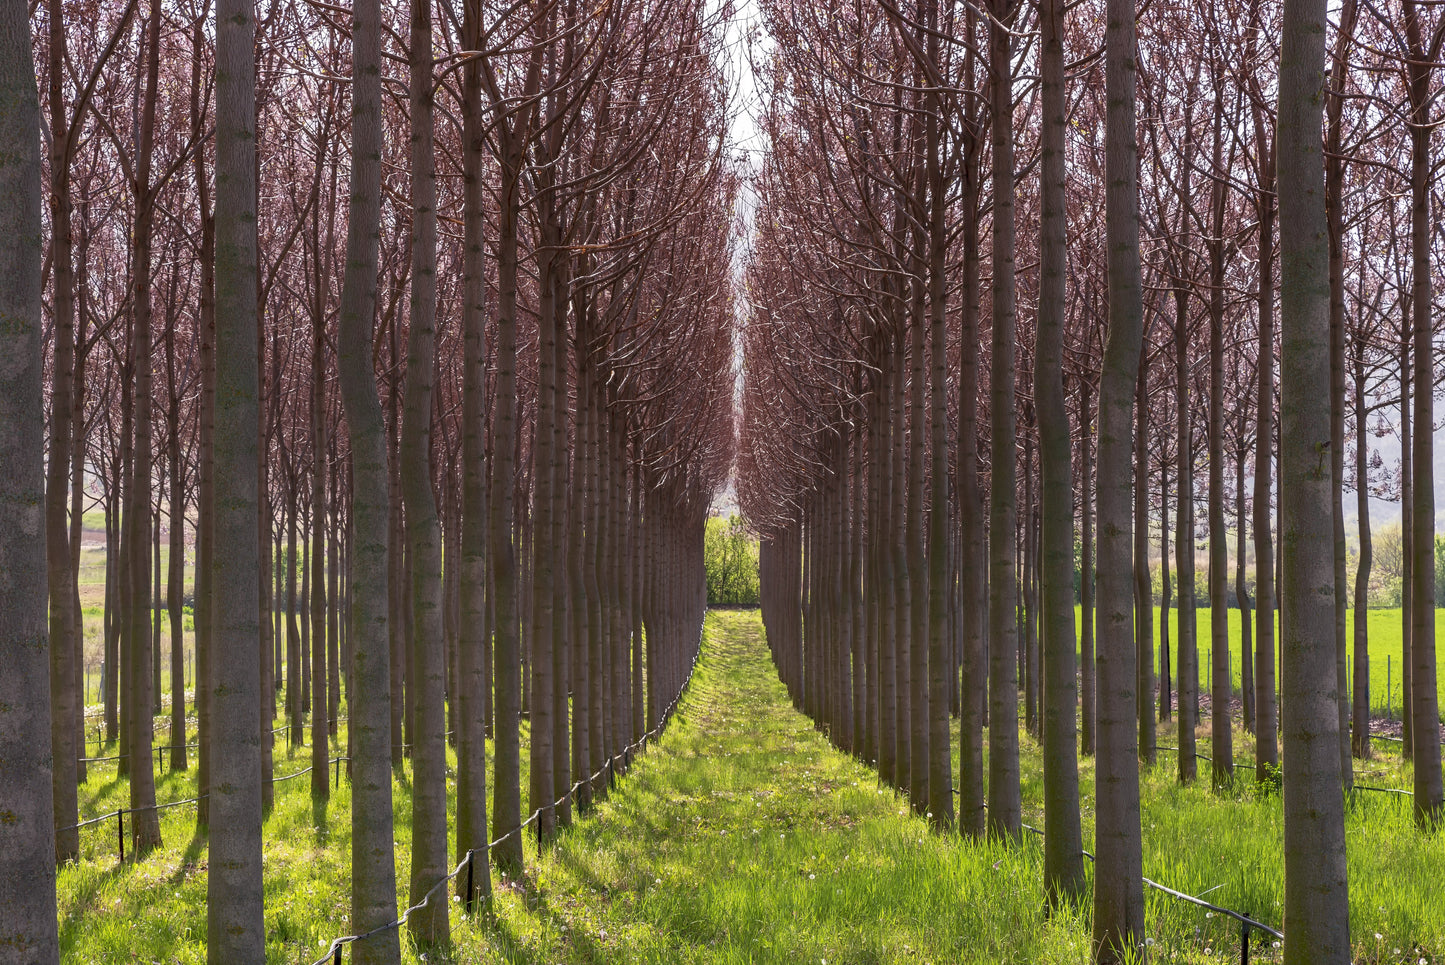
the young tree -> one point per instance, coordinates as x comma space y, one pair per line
1316, 912
235, 913
1118, 868
27, 835
1063, 854
373, 867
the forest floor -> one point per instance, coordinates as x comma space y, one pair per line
743, 836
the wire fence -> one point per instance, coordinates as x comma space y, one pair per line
120, 813
334, 951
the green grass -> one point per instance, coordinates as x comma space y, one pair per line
1385, 653
743, 837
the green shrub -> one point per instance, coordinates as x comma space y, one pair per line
730, 555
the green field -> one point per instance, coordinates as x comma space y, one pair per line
1385, 653
743, 837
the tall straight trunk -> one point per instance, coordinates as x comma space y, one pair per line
426, 678
1241, 594
918, 569
27, 836
205, 454
145, 823
333, 599
1166, 683
1316, 898
1221, 734
544, 510
1063, 842
1004, 797
1360, 730
1424, 701
471, 833
1266, 714
110, 668
1029, 569
153, 608
1143, 579
902, 585
235, 897
974, 685
883, 554
1407, 529
373, 867
320, 716
66, 634
1334, 196
577, 510
397, 621
1118, 865
1087, 667
295, 713
176, 574
506, 789
1186, 667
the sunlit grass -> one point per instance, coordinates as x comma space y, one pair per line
744, 837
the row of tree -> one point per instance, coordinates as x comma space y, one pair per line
423, 332
1013, 279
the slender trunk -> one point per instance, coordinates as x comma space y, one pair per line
429, 927
1266, 714
1360, 731
506, 789
1063, 843
1118, 866
1316, 901
1334, 197
1087, 665
1186, 668
145, 823
471, 834
28, 846
1143, 579
373, 868
1221, 733
66, 638
235, 896
1004, 799
1241, 594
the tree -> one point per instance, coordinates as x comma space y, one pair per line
1063, 847
426, 675
1118, 866
1316, 913
27, 836
235, 912
373, 868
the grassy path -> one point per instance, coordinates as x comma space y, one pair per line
744, 837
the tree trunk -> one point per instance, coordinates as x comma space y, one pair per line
145, 823
1118, 866
1186, 668
471, 835
426, 678
373, 868
1063, 844
1143, 579
66, 634
27, 841
1424, 701
1360, 731
235, 896
1004, 800
1316, 910
1266, 714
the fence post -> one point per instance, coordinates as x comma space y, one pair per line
120, 832
470, 864
336, 955
1244, 941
